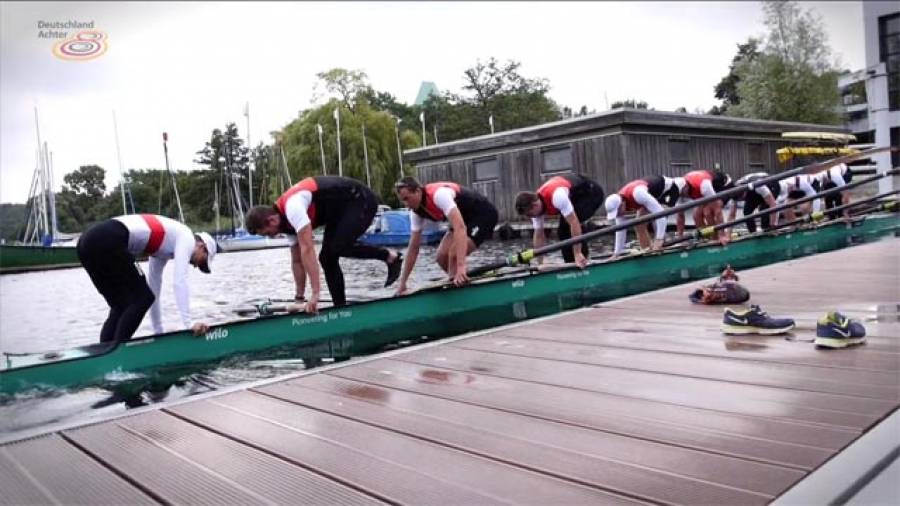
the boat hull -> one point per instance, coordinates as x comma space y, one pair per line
14, 258
253, 243
399, 239
439, 312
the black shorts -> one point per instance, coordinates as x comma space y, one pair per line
480, 227
103, 251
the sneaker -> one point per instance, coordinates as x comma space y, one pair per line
754, 321
394, 270
835, 330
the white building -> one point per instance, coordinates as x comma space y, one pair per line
872, 95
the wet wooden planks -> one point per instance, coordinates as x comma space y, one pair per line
639, 400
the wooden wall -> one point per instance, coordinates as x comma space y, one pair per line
611, 159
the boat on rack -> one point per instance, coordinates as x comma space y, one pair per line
499, 297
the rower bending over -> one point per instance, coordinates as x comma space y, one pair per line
575, 198
835, 177
471, 216
770, 195
108, 250
643, 195
345, 207
705, 183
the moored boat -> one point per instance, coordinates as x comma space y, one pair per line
392, 228
23, 258
499, 298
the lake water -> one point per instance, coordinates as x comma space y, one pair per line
60, 309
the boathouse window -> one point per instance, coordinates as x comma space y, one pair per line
680, 153
557, 159
889, 35
487, 169
756, 156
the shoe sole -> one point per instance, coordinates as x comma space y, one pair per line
838, 342
742, 330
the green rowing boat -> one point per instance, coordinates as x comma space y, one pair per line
15, 258
496, 299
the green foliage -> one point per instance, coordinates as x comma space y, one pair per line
12, 221
87, 181
629, 104
726, 90
792, 79
301, 145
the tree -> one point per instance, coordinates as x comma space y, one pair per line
87, 181
345, 84
726, 90
228, 161
494, 90
793, 78
301, 145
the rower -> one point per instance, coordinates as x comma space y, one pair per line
835, 177
643, 196
108, 250
346, 208
471, 216
575, 198
705, 183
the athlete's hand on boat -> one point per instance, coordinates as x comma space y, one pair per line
200, 328
460, 278
656, 245
401, 290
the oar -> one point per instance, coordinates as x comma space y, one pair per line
707, 232
527, 255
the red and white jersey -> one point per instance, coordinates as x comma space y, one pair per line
440, 199
162, 239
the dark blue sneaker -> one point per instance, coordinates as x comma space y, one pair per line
754, 321
835, 330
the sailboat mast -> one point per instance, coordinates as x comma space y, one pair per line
121, 171
54, 228
42, 179
174, 185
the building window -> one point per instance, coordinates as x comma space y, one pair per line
487, 169
558, 159
889, 37
680, 153
756, 156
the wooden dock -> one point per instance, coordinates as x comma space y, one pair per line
640, 400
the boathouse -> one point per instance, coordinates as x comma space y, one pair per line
611, 147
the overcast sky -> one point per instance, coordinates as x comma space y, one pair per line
187, 68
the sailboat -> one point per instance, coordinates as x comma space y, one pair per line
239, 239
42, 246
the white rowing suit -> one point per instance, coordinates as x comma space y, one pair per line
169, 240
